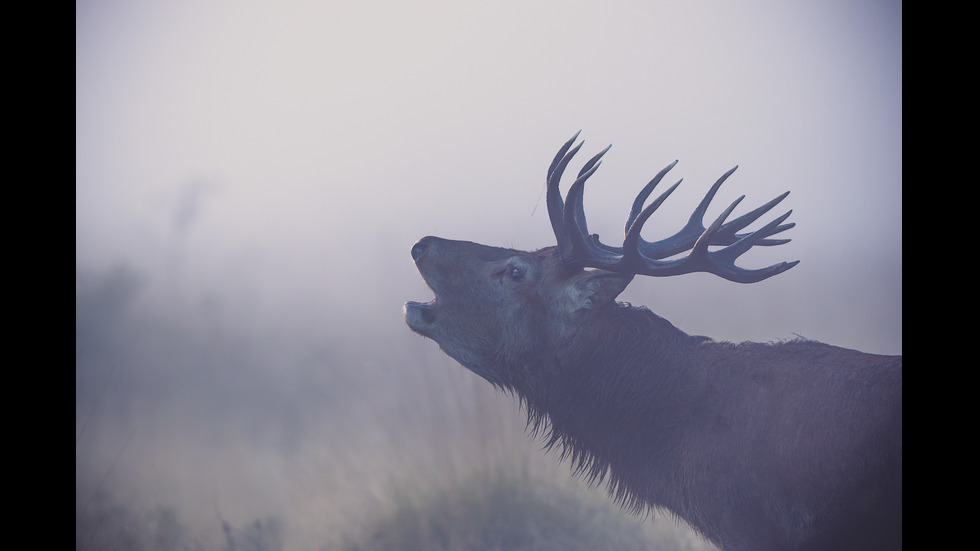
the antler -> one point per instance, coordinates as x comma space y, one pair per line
577, 248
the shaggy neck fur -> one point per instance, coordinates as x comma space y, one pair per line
591, 402
679, 422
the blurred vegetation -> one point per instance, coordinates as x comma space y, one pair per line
104, 524
500, 512
107, 525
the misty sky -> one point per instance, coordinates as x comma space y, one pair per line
250, 178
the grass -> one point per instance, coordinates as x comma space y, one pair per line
505, 511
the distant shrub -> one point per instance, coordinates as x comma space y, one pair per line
105, 524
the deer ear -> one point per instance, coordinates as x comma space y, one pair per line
593, 289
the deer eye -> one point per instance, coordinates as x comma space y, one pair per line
516, 274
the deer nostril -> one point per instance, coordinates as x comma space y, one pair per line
418, 249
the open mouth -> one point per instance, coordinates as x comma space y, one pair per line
421, 315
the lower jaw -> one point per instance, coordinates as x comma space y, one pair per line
418, 316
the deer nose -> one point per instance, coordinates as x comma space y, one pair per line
418, 249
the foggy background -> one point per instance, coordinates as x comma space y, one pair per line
250, 178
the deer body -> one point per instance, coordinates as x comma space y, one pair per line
793, 445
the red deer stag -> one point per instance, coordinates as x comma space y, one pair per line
789, 445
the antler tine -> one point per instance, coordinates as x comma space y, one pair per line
584, 248
637, 208
589, 167
727, 231
722, 262
633, 239
561, 154
594, 160
701, 245
733, 251
553, 194
645, 192
685, 238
